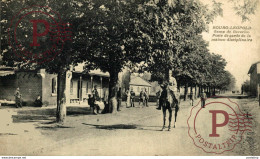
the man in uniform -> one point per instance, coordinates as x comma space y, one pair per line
146, 98
172, 89
132, 98
141, 98
95, 93
203, 97
18, 98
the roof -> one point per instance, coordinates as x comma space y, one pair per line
96, 72
80, 69
5, 71
138, 81
253, 66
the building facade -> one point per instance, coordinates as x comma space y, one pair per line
82, 84
79, 85
254, 72
31, 85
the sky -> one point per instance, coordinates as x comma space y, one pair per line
239, 55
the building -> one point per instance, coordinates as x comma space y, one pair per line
82, 84
254, 72
30, 83
38, 82
138, 84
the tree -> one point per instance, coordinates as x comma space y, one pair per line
174, 25
246, 86
245, 8
115, 36
62, 62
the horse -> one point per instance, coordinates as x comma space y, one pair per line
168, 101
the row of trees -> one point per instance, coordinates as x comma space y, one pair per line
163, 35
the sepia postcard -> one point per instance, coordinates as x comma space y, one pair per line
130, 78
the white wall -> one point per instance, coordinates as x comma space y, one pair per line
137, 89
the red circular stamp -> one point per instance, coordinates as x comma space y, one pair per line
37, 34
218, 126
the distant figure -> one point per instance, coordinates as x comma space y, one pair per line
141, 97
18, 98
91, 102
158, 94
242, 89
132, 98
203, 97
191, 98
119, 99
127, 98
146, 98
95, 93
38, 101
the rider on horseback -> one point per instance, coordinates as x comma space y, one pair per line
169, 93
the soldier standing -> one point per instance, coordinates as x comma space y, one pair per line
146, 98
18, 98
132, 98
203, 97
141, 97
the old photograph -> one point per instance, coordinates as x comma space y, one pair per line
130, 78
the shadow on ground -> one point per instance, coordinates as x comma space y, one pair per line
49, 114
125, 126
4, 134
235, 96
54, 127
112, 127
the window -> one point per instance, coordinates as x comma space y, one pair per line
71, 87
54, 85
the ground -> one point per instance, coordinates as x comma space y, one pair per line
132, 131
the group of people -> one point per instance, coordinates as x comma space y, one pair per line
130, 98
94, 100
19, 100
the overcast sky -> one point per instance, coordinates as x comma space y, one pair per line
239, 55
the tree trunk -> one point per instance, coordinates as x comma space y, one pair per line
167, 75
195, 93
185, 91
191, 92
112, 104
61, 97
199, 91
